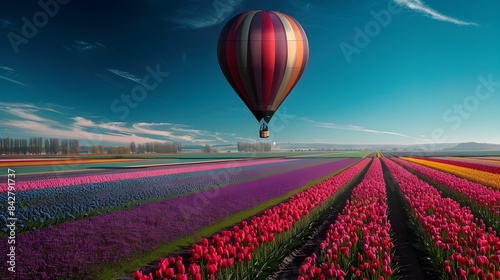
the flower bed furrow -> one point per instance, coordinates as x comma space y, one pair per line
358, 244
485, 178
231, 254
71, 248
461, 244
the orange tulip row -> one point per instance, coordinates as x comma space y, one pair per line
482, 177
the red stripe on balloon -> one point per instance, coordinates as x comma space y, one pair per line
268, 58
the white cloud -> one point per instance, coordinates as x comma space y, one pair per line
193, 131
419, 6
354, 128
27, 114
44, 130
42, 107
28, 111
146, 130
26, 119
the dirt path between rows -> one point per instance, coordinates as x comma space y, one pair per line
289, 268
405, 256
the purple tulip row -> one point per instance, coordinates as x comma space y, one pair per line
75, 247
55, 205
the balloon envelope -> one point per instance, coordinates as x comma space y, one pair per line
263, 54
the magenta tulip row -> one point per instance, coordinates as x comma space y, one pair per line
222, 255
358, 243
79, 180
483, 195
458, 241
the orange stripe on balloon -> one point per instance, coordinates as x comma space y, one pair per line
299, 59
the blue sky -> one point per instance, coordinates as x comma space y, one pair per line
380, 72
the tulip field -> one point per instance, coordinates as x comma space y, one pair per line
371, 216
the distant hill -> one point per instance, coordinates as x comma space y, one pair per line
473, 146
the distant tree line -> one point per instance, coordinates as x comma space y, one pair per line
254, 147
157, 147
148, 147
209, 149
38, 145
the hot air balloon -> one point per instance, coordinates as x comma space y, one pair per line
262, 54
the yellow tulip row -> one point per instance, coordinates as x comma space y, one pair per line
482, 177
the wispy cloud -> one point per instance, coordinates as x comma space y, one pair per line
419, 6
30, 106
110, 81
84, 49
14, 81
86, 46
8, 69
9, 74
26, 119
203, 14
126, 75
29, 112
248, 139
5, 23
354, 128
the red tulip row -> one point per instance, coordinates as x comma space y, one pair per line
472, 165
359, 241
458, 241
483, 195
230, 254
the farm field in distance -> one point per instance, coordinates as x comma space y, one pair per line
289, 215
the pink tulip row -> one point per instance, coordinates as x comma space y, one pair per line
359, 241
473, 165
79, 180
228, 254
483, 195
457, 240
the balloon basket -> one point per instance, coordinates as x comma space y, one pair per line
264, 134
